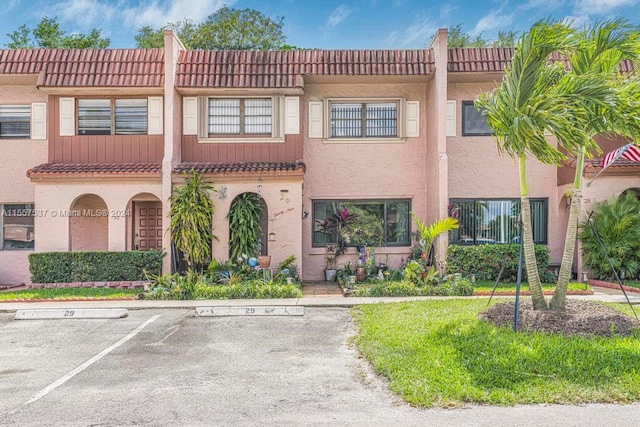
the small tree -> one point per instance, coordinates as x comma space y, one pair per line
228, 28
48, 35
192, 213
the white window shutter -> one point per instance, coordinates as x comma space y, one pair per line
451, 118
190, 115
291, 115
155, 115
67, 116
315, 119
38, 120
412, 119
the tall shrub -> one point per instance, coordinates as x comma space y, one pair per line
617, 223
244, 225
191, 219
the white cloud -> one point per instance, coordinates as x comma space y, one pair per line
578, 21
541, 5
338, 15
491, 22
10, 5
157, 13
421, 30
591, 7
83, 13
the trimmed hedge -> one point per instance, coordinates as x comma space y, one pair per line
62, 267
485, 261
460, 287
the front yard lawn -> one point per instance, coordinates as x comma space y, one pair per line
68, 293
481, 287
438, 353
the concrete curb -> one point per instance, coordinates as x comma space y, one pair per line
343, 302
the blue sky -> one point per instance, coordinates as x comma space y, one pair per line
371, 24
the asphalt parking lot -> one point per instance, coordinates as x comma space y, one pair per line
167, 367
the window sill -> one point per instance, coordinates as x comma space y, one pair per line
240, 140
364, 140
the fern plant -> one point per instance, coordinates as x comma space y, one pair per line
244, 225
617, 223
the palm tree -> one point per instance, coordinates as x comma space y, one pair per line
531, 100
429, 232
604, 47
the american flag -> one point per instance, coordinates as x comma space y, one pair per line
629, 152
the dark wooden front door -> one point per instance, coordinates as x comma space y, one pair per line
148, 226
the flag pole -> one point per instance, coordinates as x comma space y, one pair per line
621, 151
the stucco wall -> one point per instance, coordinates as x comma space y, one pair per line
54, 200
283, 197
89, 224
476, 170
19, 155
362, 170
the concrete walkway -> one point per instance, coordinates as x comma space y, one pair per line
306, 301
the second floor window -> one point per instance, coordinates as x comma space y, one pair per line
15, 121
243, 116
473, 124
112, 117
364, 120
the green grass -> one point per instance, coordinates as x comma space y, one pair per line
511, 287
63, 293
437, 353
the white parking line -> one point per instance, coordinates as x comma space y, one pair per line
89, 362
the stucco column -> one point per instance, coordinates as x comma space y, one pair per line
117, 232
172, 136
437, 158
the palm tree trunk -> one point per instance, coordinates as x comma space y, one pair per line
535, 286
559, 299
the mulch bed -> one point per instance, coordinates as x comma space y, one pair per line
582, 318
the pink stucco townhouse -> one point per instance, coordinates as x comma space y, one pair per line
392, 131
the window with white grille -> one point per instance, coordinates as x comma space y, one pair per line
364, 120
243, 116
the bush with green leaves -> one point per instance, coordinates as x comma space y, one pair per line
196, 286
449, 287
617, 223
65, 267
485, 261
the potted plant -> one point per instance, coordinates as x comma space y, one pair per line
264, 261
330, 263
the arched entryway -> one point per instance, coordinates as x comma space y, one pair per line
89, 224
635, 191
145, 211
248, 216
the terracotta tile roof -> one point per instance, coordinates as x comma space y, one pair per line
480, 59
280, 69
487, 59
240, 167
102, 169
87, 67
620, 163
